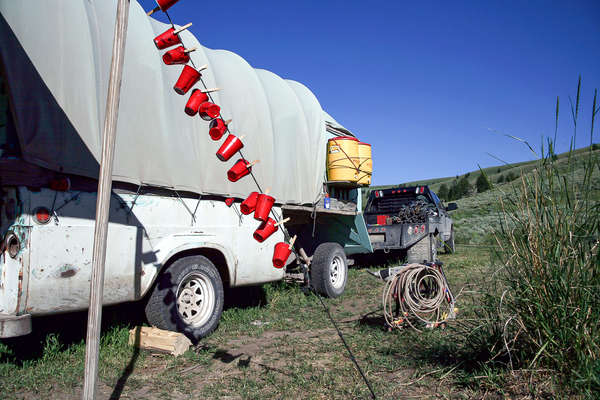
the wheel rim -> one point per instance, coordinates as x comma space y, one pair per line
195, 299
337, 272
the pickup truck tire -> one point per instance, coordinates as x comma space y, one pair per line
188, 298
329, 270
424, 250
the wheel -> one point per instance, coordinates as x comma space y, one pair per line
188, 298
449, 246
329, 270
423, 250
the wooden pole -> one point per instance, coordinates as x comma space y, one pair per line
92, 343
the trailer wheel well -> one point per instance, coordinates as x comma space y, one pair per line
214, 255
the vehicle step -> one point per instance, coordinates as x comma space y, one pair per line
14, 325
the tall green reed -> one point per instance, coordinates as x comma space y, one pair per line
549, 280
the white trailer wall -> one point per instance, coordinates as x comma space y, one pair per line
56, 56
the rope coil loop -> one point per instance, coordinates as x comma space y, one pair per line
421, 293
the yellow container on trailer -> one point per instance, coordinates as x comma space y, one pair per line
365, 164
342, 159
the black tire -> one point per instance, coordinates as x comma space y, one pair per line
329, 270
425, 250
198, 311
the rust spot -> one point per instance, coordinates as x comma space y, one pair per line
68, 273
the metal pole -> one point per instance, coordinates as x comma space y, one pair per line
103, 203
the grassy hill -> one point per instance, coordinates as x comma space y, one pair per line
478, 212
493, 173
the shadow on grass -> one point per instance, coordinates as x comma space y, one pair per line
245, 297
127, 371
69, 328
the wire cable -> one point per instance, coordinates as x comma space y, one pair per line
347, 347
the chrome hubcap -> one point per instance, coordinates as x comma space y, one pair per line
195, 299
337, 272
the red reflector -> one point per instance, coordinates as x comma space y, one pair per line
42, 215
422, 228
381, 219
416, 229
376, 193
60, 185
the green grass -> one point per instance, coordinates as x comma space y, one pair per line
294, 351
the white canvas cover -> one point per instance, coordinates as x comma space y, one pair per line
56, 56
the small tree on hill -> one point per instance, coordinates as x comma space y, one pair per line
464, 187
500, 179
443, 192
482, 184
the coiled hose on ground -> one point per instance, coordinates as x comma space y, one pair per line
420, 293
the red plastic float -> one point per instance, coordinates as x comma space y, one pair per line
162, 5
170, 37
240, 169
282, 253
230, 146
209, 111
249, 204
178, 55
193, 104
188, 78
166, 39
265, 230
217, 128
263, 206
229, 201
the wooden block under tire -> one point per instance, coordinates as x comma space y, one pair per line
152, 338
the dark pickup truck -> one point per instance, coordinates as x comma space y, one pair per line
410, 220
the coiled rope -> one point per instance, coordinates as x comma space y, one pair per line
421, 294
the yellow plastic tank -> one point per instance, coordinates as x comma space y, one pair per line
342, 159
365, 164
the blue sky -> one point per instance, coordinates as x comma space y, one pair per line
431, 85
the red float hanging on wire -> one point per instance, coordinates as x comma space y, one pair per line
249, 204
263, 206
240, 169
282, 253
170, 37
196, 99
162, 5
188, 78
178, 55
265, 230
193, 104
218, 127
230, 146
229, 201
209, 111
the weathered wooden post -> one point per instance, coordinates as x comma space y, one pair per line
103, 203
